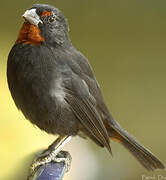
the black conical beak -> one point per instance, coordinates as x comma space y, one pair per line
32, 17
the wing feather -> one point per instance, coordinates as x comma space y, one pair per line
85, 110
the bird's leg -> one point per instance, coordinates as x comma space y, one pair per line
56, 146
53, 153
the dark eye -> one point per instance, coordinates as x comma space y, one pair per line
51, 19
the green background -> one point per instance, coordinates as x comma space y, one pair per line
125, 42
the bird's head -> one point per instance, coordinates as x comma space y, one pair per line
44, 24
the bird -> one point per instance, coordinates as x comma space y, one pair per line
54, 86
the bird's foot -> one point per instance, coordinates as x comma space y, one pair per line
64, 156
48, 156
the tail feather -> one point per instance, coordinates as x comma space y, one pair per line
147, 159
143, 155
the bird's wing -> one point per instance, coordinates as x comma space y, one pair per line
83, 105
80, 66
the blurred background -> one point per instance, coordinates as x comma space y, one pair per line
125, 42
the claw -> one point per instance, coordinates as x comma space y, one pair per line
52, 154
64, 156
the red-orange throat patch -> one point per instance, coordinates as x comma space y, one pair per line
46, 13
29, 34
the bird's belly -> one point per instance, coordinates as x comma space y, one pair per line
50, 114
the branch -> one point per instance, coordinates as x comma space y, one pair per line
50, 171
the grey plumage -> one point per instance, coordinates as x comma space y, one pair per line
54, 86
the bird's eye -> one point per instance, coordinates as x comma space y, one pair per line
51, 19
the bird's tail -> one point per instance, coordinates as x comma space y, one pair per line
143, 155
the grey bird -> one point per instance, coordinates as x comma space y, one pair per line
53, 85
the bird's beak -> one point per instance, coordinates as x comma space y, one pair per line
32, 17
